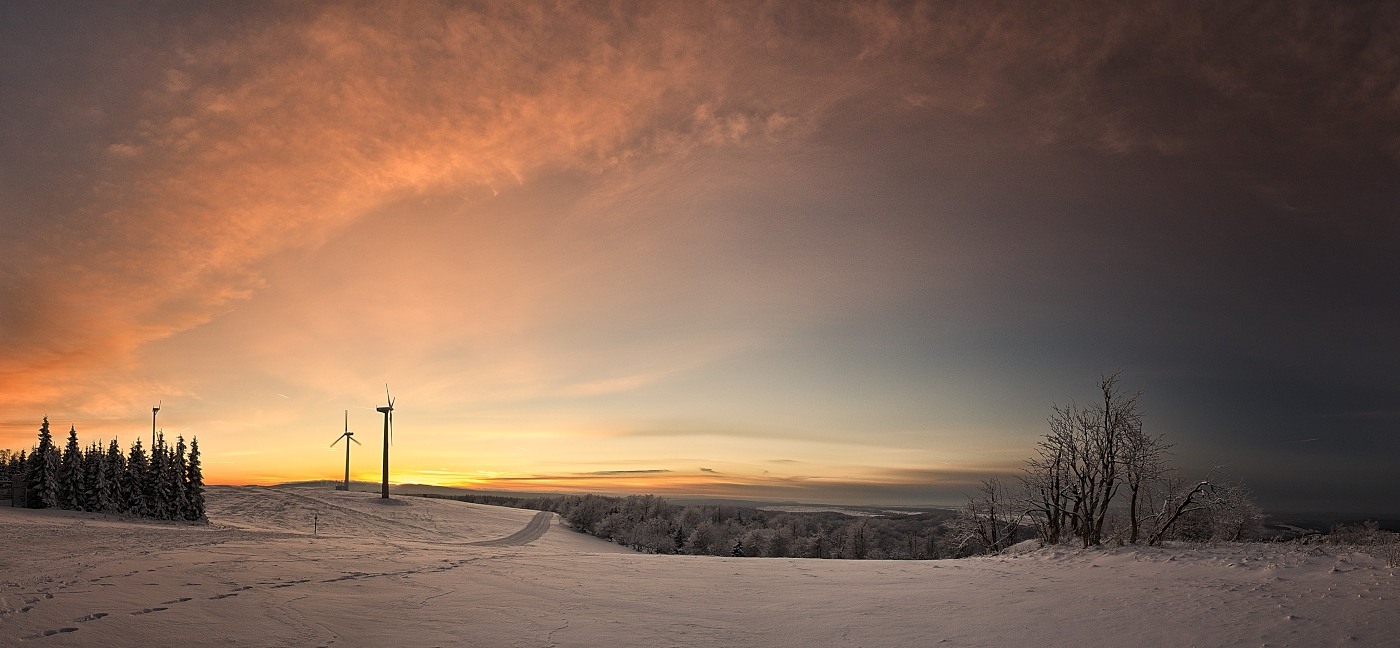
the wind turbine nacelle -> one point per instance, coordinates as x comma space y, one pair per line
383, 410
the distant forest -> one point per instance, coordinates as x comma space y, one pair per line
650, 524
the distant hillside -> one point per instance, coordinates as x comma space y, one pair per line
789, 506
1285, 524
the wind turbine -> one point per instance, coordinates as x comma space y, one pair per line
388, 412
348, 436
154, 410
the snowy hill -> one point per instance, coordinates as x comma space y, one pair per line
315, 567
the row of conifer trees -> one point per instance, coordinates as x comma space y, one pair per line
167, 484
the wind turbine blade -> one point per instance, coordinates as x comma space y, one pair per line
337, 440
353, 439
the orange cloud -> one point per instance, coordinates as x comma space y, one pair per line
276, 135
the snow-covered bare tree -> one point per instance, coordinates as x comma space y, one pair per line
1144, 463
1045, 481
989, 520
1172, 500
1234, 515
1080, 464
855, 543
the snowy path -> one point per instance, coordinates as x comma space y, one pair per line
533, 531
419, 573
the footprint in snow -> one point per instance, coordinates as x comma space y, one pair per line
149, 610
222, 596
91, 617
178, 600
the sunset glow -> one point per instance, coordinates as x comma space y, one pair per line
826, 252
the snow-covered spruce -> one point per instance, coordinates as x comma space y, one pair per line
168, 485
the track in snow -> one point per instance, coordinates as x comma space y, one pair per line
532, 532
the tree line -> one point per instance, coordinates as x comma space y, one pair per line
167, 484
651, 524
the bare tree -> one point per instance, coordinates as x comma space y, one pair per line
1144, 463
1234, 516
1091, 453
1082, 462
988, 519
1176, 501
1118, 420
1045, 480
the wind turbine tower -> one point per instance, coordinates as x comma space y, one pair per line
348, 436
388, 412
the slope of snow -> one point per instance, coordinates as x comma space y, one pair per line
417, 572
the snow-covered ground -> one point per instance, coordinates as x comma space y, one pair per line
416, 572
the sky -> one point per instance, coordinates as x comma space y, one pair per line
844, 252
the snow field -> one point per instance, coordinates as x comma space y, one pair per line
417, 572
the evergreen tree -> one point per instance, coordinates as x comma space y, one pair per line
85, 494
95, 491
169, 483
178, 468
49, 480
13, 462
134, 481
156, 490
114, 469
70, 474
36, 495
16, 468
194, 484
